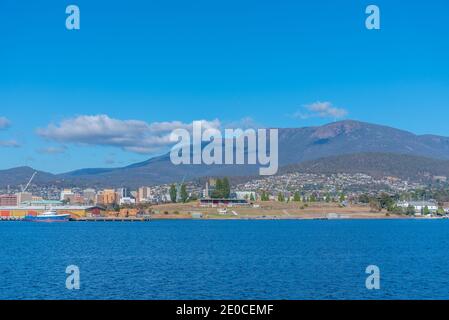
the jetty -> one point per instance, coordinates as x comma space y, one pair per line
111, 219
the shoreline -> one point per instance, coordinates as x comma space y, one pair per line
273, 218
258, 211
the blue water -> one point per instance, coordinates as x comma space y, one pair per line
226, 259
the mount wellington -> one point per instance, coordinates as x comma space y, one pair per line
340, 147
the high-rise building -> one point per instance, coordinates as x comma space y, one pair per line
107, 197
144, 194
89, 196
8, 200
99, 199
210, 188
24, 197
75, 198
65, 194
123, 193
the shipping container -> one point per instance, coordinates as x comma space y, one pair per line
5, 213
18, 213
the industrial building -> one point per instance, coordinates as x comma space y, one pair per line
75, 211
8, 200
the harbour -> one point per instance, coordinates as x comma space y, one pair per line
86, 219
111, 219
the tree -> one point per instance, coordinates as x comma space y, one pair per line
281, 197
173, 193
396, 210
426, 210
218, 189
184, 195
375, 205
251, 197
342, 197
364, 198
386, 202
226, 188
410, 210
297, 197
264, 196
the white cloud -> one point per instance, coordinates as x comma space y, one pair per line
130, 135
4, 123
9, 144
52, 150
321, 110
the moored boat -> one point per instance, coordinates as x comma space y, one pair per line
49, 216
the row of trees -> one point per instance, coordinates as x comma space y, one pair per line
388, 202
222, 189
385, 202
183, 194
297, 197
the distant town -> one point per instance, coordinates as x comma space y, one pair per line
301, 191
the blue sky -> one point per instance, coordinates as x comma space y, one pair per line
165, 61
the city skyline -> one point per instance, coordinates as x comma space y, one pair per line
139, 70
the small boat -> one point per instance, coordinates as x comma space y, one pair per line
49, 216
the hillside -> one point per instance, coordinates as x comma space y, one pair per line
296, 146
21, 176
377, 165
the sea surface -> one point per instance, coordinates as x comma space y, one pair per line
226, 259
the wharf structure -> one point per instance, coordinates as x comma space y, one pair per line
76, 212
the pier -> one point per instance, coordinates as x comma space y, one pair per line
11, 218
111, 219
96, 219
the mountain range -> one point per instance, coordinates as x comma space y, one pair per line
344, 146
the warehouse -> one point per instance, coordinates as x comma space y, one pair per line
75, 211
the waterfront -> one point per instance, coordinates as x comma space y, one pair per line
226, 259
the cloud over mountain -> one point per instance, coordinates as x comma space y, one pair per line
321, 110
130, 135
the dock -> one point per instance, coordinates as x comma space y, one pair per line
110, 219
11, 219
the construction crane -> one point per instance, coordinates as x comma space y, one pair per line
288, 183
29, 182
178, 188
286, 186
